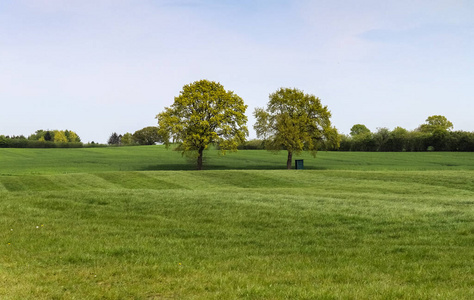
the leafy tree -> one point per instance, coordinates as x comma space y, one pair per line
399, 132
358, 129
436, 123
4, 141
438, 128
127, 139
345, 142
381, 138
462, 141
60, 137
295, 121
147, 136
398, 139
37, 135
67, 134
364, 142
71, 136
114, 139
204, 114
48, 136
439, 139
416, 141
362, 139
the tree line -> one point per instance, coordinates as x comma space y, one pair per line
435, 134
43, 139
70, 139
145, 136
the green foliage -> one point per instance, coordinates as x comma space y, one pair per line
48, 136
114, 139
381, 137
202, 115
43, 139
37, 135
461, 141
127, 139
359, 129
436, 123
59, 137
295, 121
72, 137
397, 139
3, 141
363, 142
435, 135
254, 144
23, 143
146, 136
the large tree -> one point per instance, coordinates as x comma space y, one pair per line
114, 139
127, 139
359, 129
436, 123
147, 136
204, 114
60, 137
295, 121
72, 137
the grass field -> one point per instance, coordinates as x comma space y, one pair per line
135, 223
154, 158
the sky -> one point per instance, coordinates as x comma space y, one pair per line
103, 66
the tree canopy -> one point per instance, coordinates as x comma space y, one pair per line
434, 135
295, 121
127, 139
57, 136
114, 139
359, 129
147, 136
60, 137
204, 114
436, 123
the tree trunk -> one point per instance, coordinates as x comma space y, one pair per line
288, 162
199, 161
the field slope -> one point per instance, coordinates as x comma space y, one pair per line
82, 228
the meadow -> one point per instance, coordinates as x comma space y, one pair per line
140, 223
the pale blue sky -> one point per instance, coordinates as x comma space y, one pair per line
103, 66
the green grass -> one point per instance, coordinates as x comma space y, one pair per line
154, 158
368, 226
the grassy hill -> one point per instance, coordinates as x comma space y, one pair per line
119, 223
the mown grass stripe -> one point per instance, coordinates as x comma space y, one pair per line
394, 182
2, 187
138, 180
